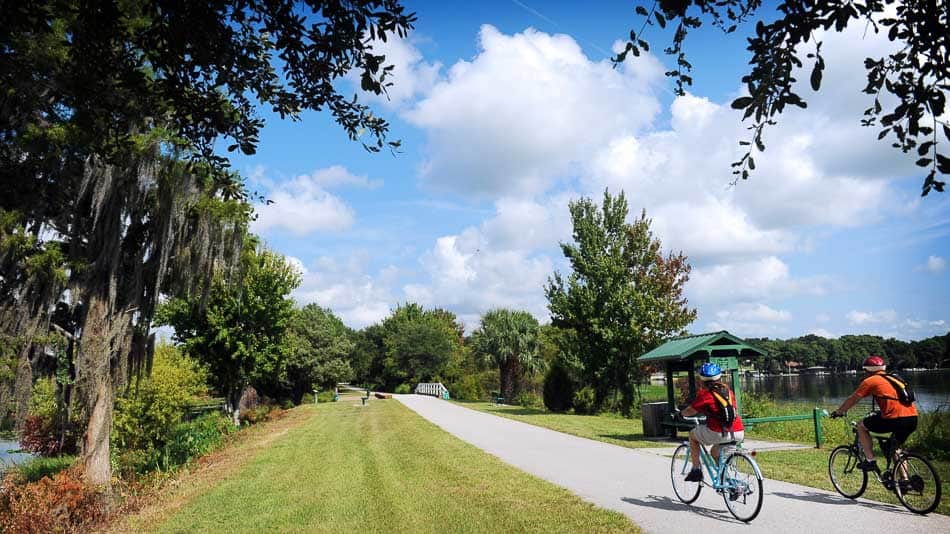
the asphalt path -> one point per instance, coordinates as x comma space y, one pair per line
637, 484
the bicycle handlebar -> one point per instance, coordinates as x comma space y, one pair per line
678, 414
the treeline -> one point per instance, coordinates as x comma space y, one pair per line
848, 352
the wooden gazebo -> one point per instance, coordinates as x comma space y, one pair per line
686, 353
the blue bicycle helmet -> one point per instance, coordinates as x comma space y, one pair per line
709, 372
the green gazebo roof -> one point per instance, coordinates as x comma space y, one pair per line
711, 344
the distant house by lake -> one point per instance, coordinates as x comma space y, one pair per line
814, 370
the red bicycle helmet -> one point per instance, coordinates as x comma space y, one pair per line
874, 364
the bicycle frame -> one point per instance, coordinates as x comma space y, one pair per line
889, 450
716, 468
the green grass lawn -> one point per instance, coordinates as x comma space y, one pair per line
383, 468
610, 428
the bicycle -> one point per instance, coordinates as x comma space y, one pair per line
736, 476
911, 477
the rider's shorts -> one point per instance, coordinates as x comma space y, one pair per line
900, 426
704, 435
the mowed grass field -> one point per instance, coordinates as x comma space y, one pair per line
382, 468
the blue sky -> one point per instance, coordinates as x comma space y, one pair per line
507, 110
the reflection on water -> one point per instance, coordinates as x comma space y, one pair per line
932, 388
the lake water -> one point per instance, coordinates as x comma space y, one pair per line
7, 455
932, 388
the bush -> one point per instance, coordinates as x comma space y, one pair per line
469, 387
39, 436
585, 401
62, 503
558, 389
43, 399
758, 405
307, 398
933, 434
255, 415
146, 417
37, 468
192, 439
403, 388
529, 399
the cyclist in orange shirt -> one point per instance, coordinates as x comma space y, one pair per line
896, 417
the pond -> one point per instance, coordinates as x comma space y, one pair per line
932, 388
10, 454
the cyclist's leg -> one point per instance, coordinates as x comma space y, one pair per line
903, 427
694, 448
870, 423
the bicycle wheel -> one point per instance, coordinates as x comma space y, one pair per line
847, 478
743, 487
917, 484
679, 468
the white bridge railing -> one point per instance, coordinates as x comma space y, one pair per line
436, 390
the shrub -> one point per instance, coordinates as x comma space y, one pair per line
529, 399
585, 401
933, 434
192, 439
39, 436
758, 405
37, 468
469, 387
558, 389
307, 398
255, 415
43, 399
403, 388
62, 503
146, 416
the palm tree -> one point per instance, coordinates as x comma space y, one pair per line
509, 339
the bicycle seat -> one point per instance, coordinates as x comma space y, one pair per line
727, 443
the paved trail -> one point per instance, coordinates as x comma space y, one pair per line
637, 484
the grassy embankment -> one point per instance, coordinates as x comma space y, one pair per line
377, 468
808, 467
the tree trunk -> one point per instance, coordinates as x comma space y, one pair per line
234, 400
94, 374
510, 379
23, 386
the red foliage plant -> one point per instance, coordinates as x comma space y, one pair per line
63, 503
39, 436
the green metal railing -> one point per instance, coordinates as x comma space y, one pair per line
815, 415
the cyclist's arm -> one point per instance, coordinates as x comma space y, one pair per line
849, 402
689, 411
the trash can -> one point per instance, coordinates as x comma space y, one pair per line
652, 414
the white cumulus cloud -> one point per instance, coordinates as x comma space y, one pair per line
303, 205
526, 110
410, 77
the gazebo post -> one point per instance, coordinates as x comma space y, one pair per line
669, 386
736, 387
691, 376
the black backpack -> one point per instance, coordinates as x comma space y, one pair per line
905, 395
726, 410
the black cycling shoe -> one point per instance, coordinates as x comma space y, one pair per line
868, 465
695, 475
